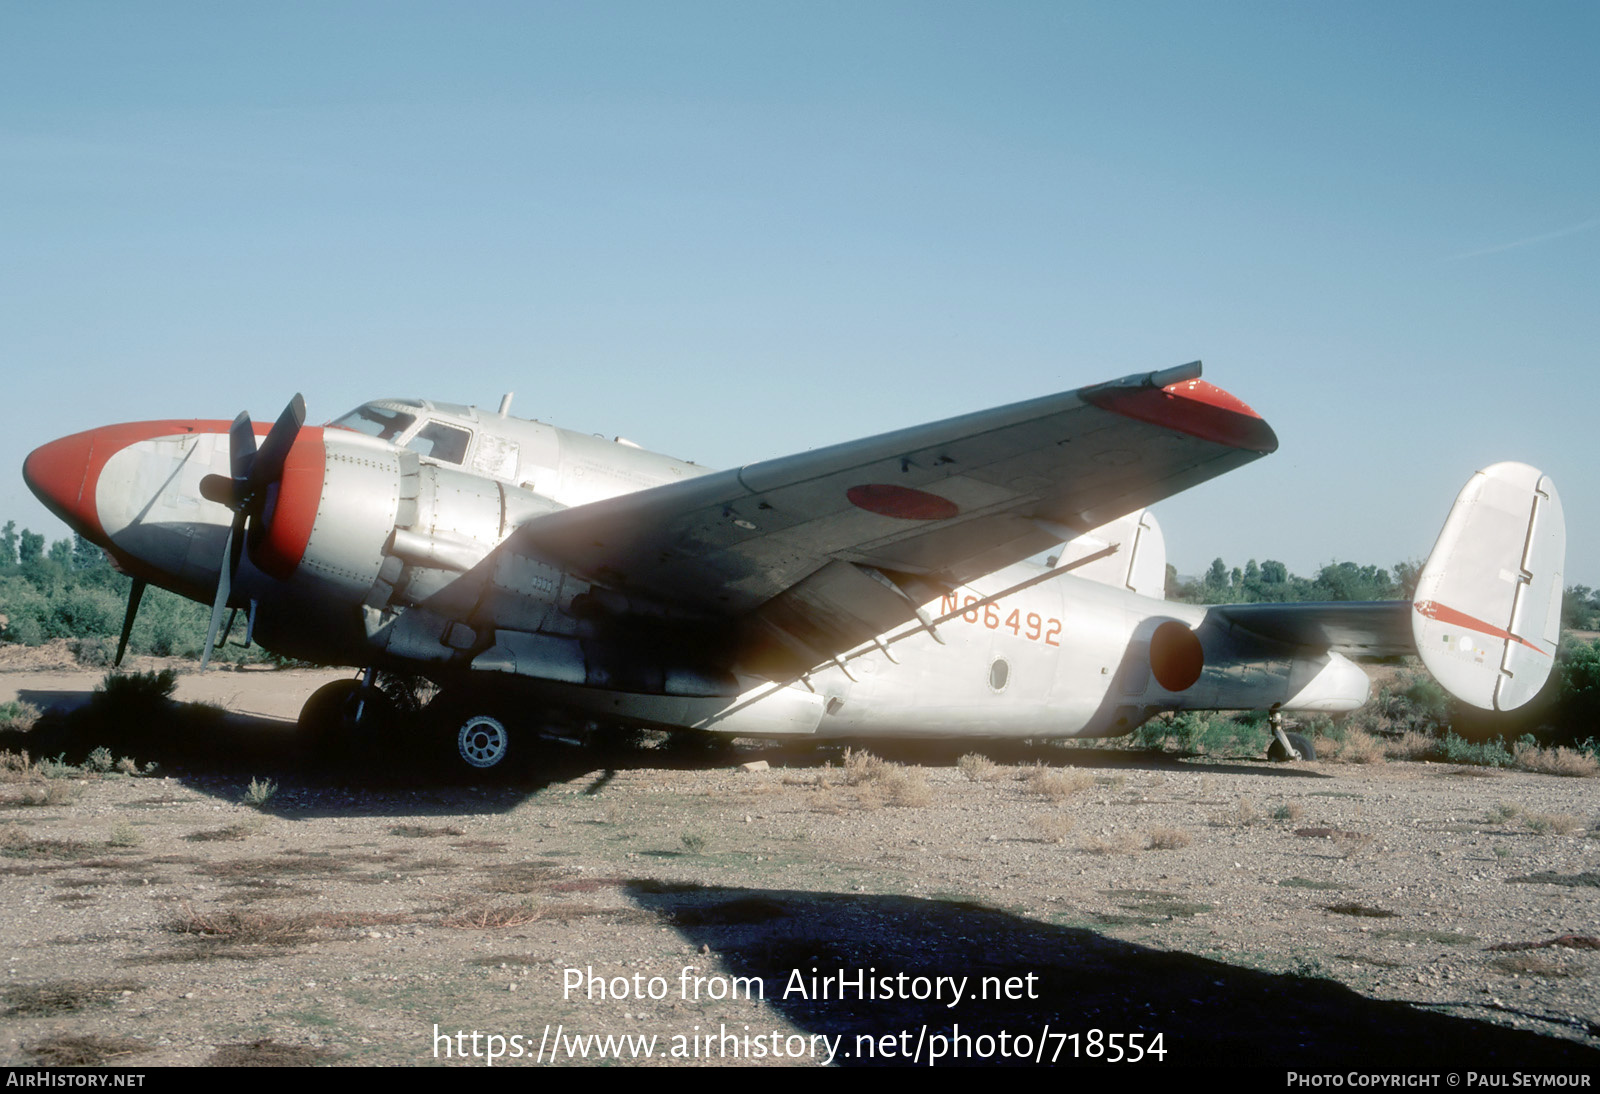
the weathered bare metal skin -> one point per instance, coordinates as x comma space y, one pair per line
884, 587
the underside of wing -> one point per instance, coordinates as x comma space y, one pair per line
1380, 628
810, 555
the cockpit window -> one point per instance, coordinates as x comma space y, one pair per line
441, 442
375, 421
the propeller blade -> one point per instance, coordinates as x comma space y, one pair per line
135, 595
255, 471
230, 565
268, 464
241, 447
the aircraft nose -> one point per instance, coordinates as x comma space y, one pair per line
60, 475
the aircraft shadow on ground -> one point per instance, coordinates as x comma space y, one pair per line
1210, 1013
215, 752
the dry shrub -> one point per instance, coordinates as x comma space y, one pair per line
1055, 783
1555, 824
1121, 843
1367, 911
1503, 812
1531, 964
827, 800
1556, 761
1360, 747
488, 918
878, 782
55, 792
1410, 745
19, 715
17, 767
85, 1051
1288, 811
1244, 813
63, 996
16, 843
860, 766
1053, 827
423, 831
229, 832
243, 928
522, 877
978, 768
1565, 941
906, 787
1168, 839
266, 929
267, 1053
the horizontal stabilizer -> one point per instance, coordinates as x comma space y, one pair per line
1487, 614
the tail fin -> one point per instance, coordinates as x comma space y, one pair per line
1487, 615
1140, 563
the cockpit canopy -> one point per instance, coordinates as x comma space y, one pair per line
441, 432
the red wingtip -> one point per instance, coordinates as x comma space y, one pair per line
1195, 407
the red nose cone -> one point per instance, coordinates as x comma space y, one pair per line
62, 476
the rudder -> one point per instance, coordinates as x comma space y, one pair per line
1487, 611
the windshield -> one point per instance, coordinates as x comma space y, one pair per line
375, 421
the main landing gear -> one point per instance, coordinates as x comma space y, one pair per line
474, 736
380, 717
1288, 746
347, 718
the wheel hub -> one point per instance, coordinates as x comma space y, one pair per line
483, 741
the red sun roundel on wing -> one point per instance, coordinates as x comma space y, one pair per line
901, 501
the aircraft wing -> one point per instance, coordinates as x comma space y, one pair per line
817, 552
1379, 628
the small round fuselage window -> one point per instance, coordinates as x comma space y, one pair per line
999, 673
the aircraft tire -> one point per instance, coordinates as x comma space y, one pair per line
1302, 745
328, 724
480, 741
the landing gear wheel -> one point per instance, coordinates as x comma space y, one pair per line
344, 717
482, 741
1301, 744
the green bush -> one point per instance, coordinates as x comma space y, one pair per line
1205, 732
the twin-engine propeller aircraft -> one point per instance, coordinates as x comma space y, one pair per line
545, 579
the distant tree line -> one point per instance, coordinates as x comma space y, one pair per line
70, 590
1270, 582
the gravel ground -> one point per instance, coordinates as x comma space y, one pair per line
1303, 916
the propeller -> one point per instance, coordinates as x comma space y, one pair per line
249, 490
135, 594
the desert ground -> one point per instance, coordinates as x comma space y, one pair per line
1066, 905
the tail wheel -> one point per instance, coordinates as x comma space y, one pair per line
482, 741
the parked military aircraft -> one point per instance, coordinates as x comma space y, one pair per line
880, 588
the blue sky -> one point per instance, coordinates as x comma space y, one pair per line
731, 231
